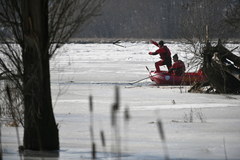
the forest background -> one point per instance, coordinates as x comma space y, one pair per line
164, 19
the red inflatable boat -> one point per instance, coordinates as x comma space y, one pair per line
165, 78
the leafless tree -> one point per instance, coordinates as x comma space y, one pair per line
233, 14
30, 33
201, 21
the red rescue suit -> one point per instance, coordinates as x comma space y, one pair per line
164, 54
178, 68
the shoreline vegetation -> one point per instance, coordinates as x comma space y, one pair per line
134, 40
111, 40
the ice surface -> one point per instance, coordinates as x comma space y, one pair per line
80, 70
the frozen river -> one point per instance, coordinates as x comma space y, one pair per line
196, 126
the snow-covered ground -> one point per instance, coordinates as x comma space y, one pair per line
80, 70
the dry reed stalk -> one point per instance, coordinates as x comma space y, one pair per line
163, 138
94, 156
127, 118
91, 104
225, 151
103, 141
92, 127
115, 123
126, 114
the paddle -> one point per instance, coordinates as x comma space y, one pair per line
143, 78
148, 70
138, 80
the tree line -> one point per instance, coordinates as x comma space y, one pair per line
161, 19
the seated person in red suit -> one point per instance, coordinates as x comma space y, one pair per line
178, 67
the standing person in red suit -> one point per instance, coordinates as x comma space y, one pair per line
178, 67
164, 53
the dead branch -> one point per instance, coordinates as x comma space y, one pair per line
221, 67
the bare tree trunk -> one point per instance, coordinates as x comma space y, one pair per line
221, 68
38, 34
40, 129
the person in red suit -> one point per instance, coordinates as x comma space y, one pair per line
164, 53
178, 67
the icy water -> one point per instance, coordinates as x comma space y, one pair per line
196, 126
